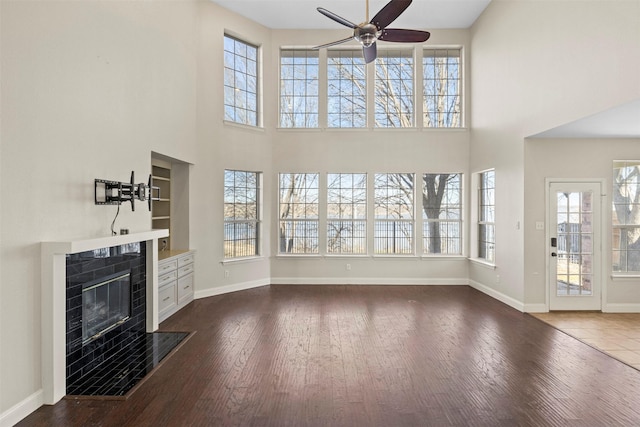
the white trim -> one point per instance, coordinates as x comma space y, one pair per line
367, 281
511, 302
22, 409
621, 308
483, 263
230, 288
603, 244
536, 308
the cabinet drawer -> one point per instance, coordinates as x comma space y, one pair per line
187, 259
185, 286
167, 266
167, 297
183, 271
166, 278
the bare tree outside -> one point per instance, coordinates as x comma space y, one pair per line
626, 221
241, 213
299, 202
298, 88
393, 103
240, 82
347, 213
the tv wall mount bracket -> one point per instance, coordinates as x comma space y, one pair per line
115, 192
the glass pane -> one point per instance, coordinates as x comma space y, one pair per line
575, 244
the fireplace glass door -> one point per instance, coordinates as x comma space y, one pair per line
105, 305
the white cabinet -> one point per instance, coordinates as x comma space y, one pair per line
175, 281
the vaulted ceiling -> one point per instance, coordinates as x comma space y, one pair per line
302, 14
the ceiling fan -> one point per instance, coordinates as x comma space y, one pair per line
369, 31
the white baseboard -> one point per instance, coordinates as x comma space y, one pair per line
511, 302
621, 308
204, 293
536, 308
365, 281
20, 410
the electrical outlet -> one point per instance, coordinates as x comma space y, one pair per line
348, 267
226, 273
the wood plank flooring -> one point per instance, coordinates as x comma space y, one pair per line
367, 356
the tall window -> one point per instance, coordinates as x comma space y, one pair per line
394, 218
441, 76
394, 88
240, 82
241, 213
486, 216
347, 89
298, 213
626, 217
442, 213
298, 88
347, 213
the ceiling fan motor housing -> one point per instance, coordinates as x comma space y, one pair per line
366, 34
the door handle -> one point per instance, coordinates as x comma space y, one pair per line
554, 254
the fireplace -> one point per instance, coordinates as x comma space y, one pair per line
105, 304
106, 308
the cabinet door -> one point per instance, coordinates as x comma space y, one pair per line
185, 288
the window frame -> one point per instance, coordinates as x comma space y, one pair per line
387, 219
308, 67
235, 221
443, 52
400, 58
482, 221
304, 217
447, 207
356, 208
618, 203
356, 62
256, 113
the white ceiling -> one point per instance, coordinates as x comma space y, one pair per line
302, 14
622, 121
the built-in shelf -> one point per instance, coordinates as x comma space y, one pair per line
161, 209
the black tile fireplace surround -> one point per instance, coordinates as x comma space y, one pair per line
91, 266
112, 361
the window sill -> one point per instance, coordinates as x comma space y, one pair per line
626, 277
362, 129
243, 126
483, 263
444, 257
242, 260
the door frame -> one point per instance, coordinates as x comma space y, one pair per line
604, 257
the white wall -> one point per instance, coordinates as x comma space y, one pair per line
89, 89
536, 65
227, 146
574, 159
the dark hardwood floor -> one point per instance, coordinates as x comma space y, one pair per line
367, 356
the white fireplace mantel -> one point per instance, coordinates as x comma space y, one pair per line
53, 278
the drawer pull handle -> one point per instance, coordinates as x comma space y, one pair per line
166, 299
186, 287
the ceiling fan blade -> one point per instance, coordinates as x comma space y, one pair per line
333, 43
389, 13
336, 18
404, 36
370, 52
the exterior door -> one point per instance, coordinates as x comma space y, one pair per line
575, 246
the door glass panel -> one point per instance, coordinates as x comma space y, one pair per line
575, 247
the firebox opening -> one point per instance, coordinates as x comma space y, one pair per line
106, 304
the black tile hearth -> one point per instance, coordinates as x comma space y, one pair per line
120, 372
